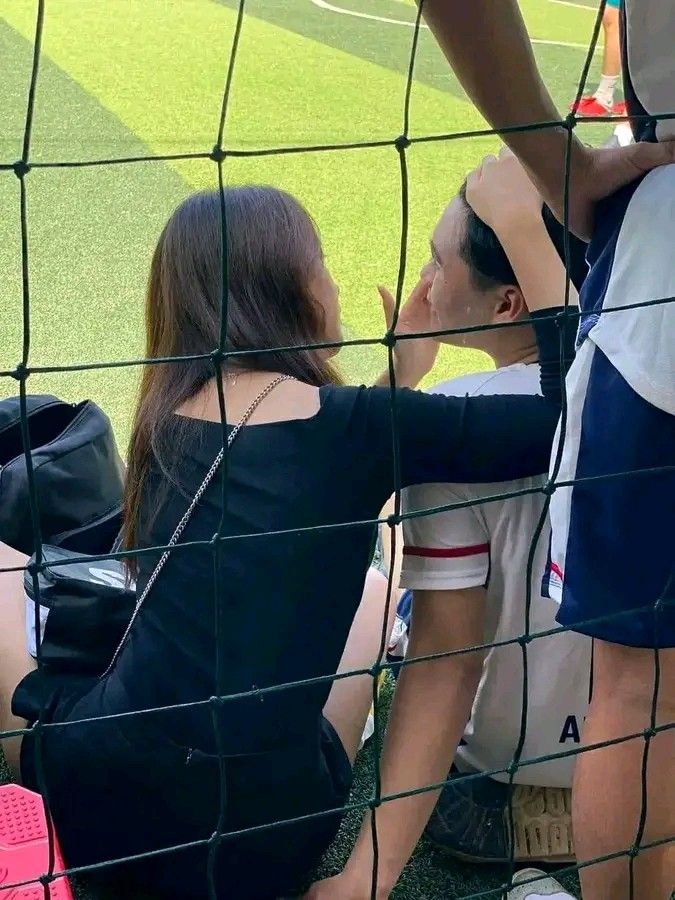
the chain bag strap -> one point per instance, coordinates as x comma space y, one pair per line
180, 528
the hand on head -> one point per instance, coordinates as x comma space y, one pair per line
595, 173
501, 193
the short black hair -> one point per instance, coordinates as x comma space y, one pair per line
481, 251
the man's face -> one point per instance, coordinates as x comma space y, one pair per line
455, 300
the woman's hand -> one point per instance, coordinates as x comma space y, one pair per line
501, 193
413, 358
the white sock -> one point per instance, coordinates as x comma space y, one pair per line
605, 91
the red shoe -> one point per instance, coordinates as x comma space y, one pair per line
619, 109
590, 108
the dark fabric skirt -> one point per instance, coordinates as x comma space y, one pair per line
118, 789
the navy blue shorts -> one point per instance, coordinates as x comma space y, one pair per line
615, 574
612, 565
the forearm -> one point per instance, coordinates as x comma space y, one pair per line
538, 268
405, 375
487, 45
431, 706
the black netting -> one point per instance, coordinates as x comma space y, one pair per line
219, 155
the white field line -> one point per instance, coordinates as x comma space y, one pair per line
330, 7
585, 6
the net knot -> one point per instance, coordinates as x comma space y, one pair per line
215, 839
389, 339
524, 639
549, 488
46, 879
512, 768
217, 154
21, 168
402, 142
218, 356
633, 851
374, 803
215, 702
650, 732
375, 670
570, 121
20, 373
34, 568
393, 519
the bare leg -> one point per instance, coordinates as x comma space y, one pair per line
15, 661
611, 57
607, 793
349, 701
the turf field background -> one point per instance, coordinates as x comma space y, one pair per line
123, 78
136, 77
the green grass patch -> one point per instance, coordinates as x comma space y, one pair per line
147, 78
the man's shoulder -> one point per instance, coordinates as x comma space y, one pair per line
517, 379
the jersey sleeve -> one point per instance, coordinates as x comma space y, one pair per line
448, 550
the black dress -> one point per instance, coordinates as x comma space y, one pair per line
286, 598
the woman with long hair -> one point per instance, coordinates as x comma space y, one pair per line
266, 585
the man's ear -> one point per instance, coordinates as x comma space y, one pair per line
510, 304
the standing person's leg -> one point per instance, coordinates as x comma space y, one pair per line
601, 101
607, 795
611, 54
611, 57
350, 699
15, 661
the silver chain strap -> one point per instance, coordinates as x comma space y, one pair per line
180, 528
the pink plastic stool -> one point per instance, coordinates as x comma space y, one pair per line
24, 847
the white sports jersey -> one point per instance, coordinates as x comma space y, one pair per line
489, 545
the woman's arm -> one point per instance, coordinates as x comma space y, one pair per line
470, 439
431, 707
501, 193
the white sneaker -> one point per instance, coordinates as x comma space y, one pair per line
544, 888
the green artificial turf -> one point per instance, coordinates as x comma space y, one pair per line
139, 77
135, 77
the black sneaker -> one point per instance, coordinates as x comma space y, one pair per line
471, 822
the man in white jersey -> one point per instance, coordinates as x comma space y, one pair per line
474, 559
468, 568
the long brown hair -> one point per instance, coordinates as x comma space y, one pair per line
272, 244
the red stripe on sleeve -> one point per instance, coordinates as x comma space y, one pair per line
446, 552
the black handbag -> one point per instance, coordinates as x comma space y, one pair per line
85, 609
78, 475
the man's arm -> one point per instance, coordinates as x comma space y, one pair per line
431, 707
487, 45
502, 195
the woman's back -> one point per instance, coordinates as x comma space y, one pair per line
287, 581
